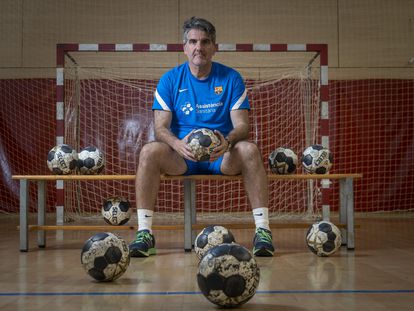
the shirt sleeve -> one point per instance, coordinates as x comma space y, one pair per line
240, 100
162, 95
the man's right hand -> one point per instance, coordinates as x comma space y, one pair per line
183, 149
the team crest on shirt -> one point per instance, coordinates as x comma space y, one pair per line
218, 90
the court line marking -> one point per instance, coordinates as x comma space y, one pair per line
167, 293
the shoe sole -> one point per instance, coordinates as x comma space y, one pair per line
263, 252
138, 253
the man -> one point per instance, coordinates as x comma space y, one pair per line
200, 93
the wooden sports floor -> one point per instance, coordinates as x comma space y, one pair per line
377, 275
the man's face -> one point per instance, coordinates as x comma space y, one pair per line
199, 48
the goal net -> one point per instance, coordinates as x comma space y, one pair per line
107, 98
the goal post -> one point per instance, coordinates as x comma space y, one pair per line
104, 95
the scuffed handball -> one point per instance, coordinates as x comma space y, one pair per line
317, 159
105, 256
228, 275
283, 161
116, 211
62, 159
211, 236
323, 238
202, 143
90, 161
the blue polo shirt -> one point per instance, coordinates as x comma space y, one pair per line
198, 103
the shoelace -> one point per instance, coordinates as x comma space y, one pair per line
264, 236
144, 237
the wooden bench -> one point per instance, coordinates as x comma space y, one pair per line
346, 198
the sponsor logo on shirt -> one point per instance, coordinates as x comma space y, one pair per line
187, 108
208, 108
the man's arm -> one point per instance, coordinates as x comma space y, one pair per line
240, 131
162, 123
240, 120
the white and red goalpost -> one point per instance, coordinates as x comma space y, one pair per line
104, 94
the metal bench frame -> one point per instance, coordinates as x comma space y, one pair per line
346, 199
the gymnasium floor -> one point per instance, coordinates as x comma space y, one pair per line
378, 275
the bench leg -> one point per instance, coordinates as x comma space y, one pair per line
346, 213
350, 213
24, 202
41, 203
326, 212
342, 210
189, 213
193, 211
326, 208
60, 216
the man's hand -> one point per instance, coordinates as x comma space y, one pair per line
183, 149
220, 149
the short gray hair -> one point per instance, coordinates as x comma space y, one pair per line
200, 24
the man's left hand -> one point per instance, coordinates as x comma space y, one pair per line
220, 149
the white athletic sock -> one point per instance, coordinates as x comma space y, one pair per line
261, 217
145, 219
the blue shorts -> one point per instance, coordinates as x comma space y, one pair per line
204, 167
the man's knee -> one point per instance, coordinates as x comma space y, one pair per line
248, 150
151, 151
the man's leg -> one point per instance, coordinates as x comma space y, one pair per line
155, 159
245, 159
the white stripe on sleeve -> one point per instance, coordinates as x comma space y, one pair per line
161, 101
240, 101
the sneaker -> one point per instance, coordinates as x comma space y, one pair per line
262, 243
143, 245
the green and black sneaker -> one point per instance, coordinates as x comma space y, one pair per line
143, 245
262, 243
